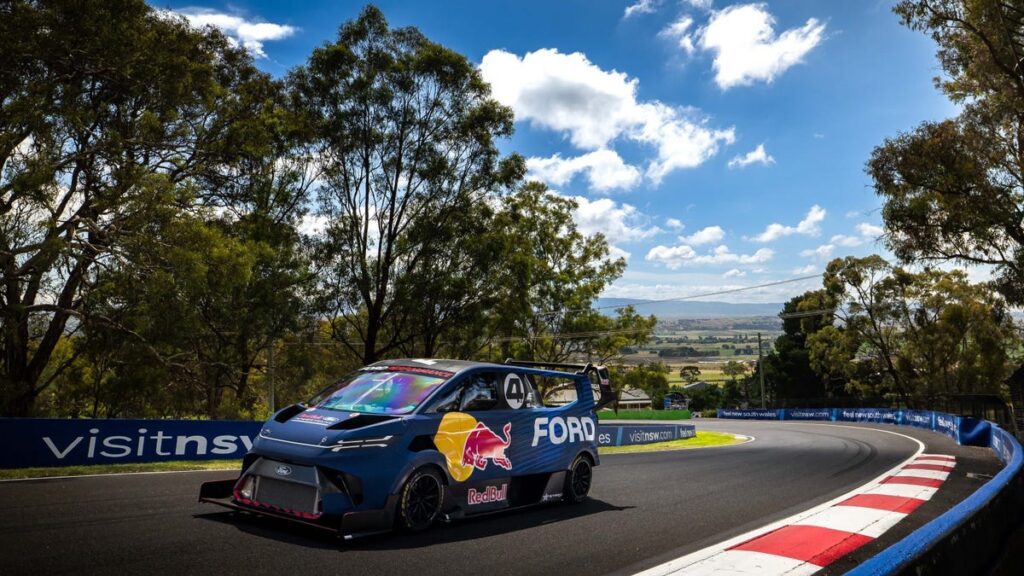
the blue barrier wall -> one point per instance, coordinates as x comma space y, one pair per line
968, 431
43, 442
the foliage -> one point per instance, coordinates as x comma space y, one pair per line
954, 190
925, 333
689, 374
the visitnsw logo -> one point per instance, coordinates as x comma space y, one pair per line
68, 442
145, 444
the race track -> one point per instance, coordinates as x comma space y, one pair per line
644, 509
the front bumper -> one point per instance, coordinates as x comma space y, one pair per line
311, 496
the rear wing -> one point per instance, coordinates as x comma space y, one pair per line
597, 374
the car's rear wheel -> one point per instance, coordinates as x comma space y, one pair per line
421, 499
578, 480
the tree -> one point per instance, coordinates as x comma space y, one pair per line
924, 333
405, 130
788, 370
108, 109
954, 190
652, 379
734, 370
689, 374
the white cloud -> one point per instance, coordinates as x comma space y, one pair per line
605, 170
823, 252
703, 4
250, 35
808, 226
641, 7
734, 273
809, 269
708, 235
618, 222
847, 241
614, 253
682, 32
870, 230
755, 156
674, 224
569, 94
675, 256
747, 49
853, 214
313, 224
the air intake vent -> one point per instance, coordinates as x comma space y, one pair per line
289, 412
360, 421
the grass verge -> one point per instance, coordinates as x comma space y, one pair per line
644, 415
701, 440
185, 465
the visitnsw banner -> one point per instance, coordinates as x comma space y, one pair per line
30, 442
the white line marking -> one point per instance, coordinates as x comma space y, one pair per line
673, 566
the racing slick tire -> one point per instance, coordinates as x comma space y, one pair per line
578, 480
420, 500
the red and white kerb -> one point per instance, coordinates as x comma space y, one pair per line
813, 542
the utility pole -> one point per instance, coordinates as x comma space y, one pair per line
760, 367
270, 376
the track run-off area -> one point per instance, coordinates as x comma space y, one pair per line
645, 510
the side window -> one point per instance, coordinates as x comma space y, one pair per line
480, 392
450, 401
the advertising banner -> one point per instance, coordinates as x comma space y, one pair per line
877, 415
30, 442
632, 434
807, 414
919, 419
749, 414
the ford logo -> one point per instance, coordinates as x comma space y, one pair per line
283, 470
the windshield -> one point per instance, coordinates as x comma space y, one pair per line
381, 392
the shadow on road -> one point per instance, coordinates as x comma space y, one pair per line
467, 529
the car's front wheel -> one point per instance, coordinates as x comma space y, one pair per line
578, 480
421, 499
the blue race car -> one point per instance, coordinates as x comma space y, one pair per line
408, 442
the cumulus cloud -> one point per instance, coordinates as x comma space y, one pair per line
809, 226
247, 33
823, 252
674, 257
674, 224
870, 230
641, 7
809, 269
569, 94
747, 49
708, 235
605, 170
682, 32
618, 222
755, 156
734, 273
868, 233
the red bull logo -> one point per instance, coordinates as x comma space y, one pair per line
469, 445
483, 444
487, 495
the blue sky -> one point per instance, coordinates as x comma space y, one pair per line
717, 144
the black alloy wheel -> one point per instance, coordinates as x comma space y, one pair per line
578, 480
420, 504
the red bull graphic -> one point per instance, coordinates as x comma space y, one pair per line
469, 445
483, 444
488, 495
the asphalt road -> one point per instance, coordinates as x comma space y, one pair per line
644, 509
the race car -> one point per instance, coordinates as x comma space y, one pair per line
406, 443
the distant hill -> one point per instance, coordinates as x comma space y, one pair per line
691, 308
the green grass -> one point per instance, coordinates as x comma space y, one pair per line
644, 415
701, 440
19, 473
